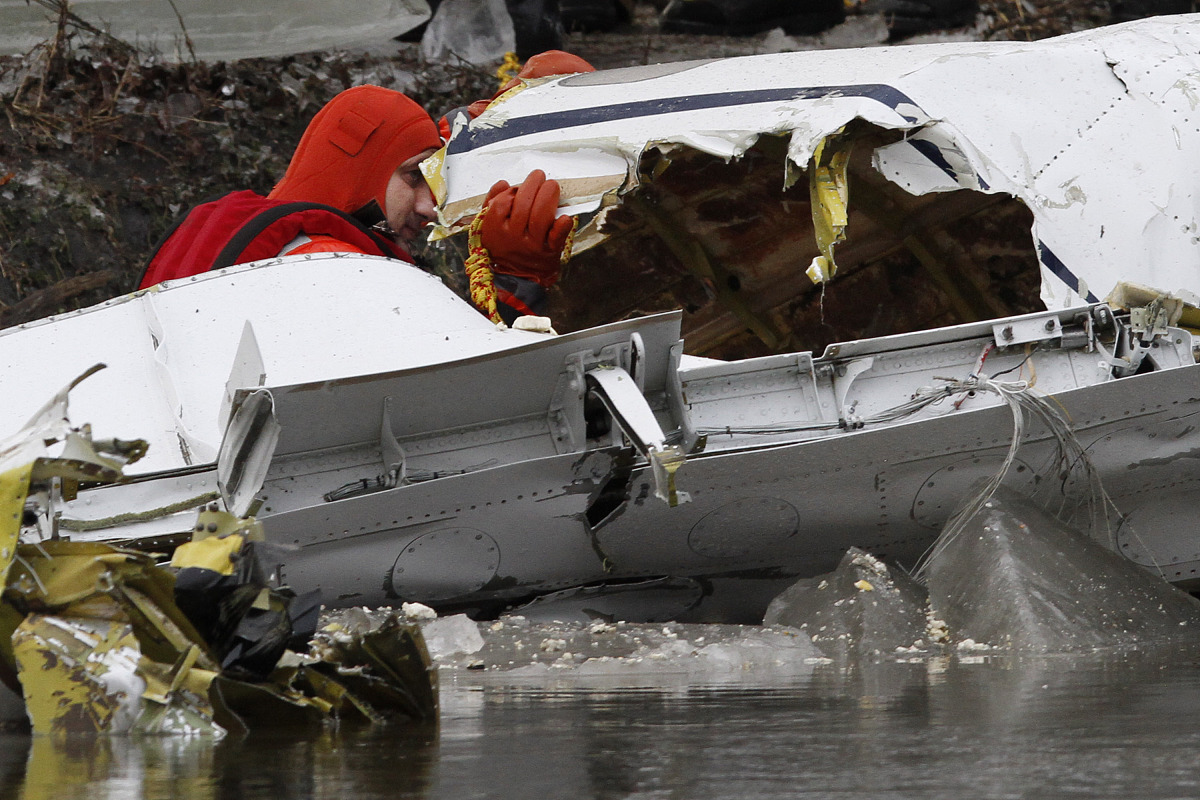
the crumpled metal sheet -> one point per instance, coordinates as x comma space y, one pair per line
1093, 132
101, 648
85, 674
99, 645
101, 640
79, 675
26, 458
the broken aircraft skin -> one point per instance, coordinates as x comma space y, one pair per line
690, 178
430, 456
544, 463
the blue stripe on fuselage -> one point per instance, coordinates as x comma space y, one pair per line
1055, 265
468, 140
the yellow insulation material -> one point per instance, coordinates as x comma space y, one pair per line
829, 192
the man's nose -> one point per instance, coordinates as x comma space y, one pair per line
424, 205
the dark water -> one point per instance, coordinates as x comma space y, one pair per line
1098, 727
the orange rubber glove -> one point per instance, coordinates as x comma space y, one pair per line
520, 230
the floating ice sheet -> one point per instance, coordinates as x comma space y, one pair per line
517, 649
1017, 577
863, 610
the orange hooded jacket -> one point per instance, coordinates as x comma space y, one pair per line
334, 188
352, 147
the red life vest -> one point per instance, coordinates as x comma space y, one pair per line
244, 226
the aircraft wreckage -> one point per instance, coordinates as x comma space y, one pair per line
401, 447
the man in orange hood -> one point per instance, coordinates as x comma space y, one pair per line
361, 154
354, 185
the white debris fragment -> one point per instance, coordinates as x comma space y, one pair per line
867, 561
553, 645
601, 627
936, 629
534, 324
418, 612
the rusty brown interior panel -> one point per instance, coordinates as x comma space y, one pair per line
729, 245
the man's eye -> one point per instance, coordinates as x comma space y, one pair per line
414, 177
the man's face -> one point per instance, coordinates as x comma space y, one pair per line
409, 201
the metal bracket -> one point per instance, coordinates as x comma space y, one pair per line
1031, 329
246, 451
247, 372
688, 438
620, 395
395, 465
843, 378
637, 360
1151, 321
1081, 333
565, 415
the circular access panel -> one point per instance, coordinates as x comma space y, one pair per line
745, 527
1152, 532
943, 492
445, 564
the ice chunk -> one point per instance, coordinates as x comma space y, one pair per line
861, 610
356, 620
476, 31
1015, 576
450, 636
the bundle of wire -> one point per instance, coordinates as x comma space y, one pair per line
1070, 458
